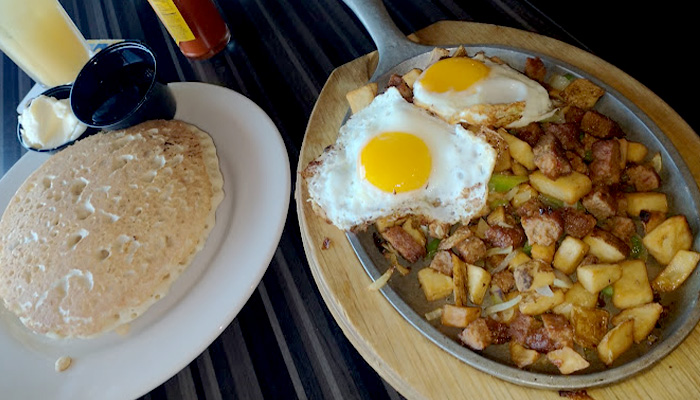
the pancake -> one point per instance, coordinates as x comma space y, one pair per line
99, 232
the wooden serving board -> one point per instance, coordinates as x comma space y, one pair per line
412, 364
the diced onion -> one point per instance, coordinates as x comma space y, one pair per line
498, 250
435, 314
559, 82
545, 291
382, 280
503, 306
500, 267
561, 280
512, 192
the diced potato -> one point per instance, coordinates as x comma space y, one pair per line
519, 169
677, 271
459, 278
650, 201
519, 150
385, 223
605, 246
411, 76
636, 152
534, 303
413, 228
569, 188
362, 96
644, 317
435, 285
623, 152
582, 93
497, 216
666, 239
580, 297
563, 309
590, 325
595, 277
478, 280
567, 360
521, 356
569, 255
525, 193
437, 54
532, 275
657, 163
544, 253
616, 342
459, 317
518, 259
632, 289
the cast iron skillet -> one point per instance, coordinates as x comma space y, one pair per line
399, 55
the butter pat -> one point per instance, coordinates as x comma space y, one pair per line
48, 123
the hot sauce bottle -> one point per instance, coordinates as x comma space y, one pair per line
196, 26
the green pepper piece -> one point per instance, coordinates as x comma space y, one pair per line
551, 201
432, 247
527, 249
637, 250
607, 291
502, 183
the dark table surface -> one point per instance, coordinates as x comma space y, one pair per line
284, 341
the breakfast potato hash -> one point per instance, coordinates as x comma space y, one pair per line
558, 263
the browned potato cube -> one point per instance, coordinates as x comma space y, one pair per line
362, 96
632, 289
607, 247
666, 239
650, 201
570, 254
459, 278
616, 342
521, 356
677, 271
435, 285
459, 317
590, 325
520, 151
534, 303
478, 280
644, 317
636, 152
569, 188
544, 253
595, 277
582, 93
411, 76
579, 296
567, 360
518, 259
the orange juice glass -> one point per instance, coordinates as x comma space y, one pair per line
42, 40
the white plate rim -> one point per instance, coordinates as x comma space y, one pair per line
204, 300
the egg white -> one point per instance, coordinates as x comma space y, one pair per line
456, 190
503, 85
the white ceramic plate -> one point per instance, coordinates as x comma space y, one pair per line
203, 301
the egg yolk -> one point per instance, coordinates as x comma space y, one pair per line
456, 73
396, 162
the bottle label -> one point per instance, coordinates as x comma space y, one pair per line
172, 19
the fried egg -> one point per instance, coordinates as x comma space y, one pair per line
392, 158
481, 92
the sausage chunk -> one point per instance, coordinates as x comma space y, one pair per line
605, 168
442, 262
600, 126
543, 229
577, 162
499, 236
550, 157
600, 202
504, 280
574, 114
470, 249
529, 133
531, 333
535, 69
404, 243
622, 227
577, 223
401, 85
476, 335
567, 133
559, 330
643, 177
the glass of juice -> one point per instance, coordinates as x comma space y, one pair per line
42, 40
